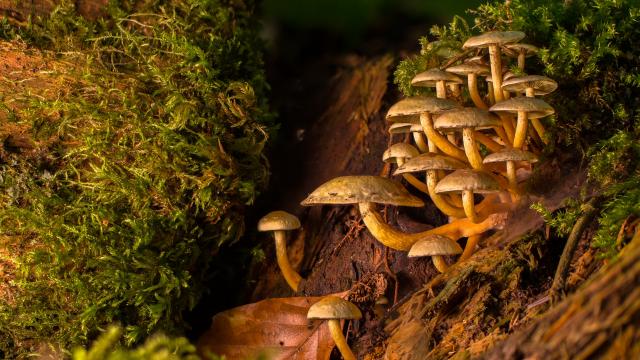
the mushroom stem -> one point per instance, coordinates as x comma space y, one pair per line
496, 71
502, 135
471, 148
521, 130
469, 206
470, 247
439, 263
336, 333
537, 124
472, 81
507, 124
420, 143
290, 275
439, 201
521, 59
441, 90
488, 142
416, 183
492, 98
398, 240
440, 141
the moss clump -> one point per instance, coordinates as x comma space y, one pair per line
140, 162
590, 48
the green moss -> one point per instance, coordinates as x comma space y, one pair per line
143, 168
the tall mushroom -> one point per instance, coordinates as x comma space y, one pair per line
333, 309
532, 85
527, 109
366, 191
435, 246
494, 40
279, 222
468, 120
399, 153
436, 78
468, 182
510, 157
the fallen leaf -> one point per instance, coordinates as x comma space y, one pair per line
269, 329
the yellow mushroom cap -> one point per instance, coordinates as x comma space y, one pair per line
541, 85
408, 110
477, 181
358, 189
469, 68
535, 108
399, 150
333, 307
430, 161
468, 117
430, 77
278, 220
528, 49
434, 245
493, 38
510, 154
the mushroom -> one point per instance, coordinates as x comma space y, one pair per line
526, 108
366, 191
468, 120
436, 246
416, 132
510, 156
532, 85
399, 153
436, 78
333, 309
408, 110
521, 51
472, 70
431, 163
380, 306
468, 182
279, 222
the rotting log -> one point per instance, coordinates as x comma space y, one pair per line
600, 320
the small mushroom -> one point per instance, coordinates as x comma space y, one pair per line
333, 309
399, 153
366, 191
468, 120
416, 132
280, 222
468, 182
436, 78
472, 70
526, 108
521, 51
380, 306
436, 246
510, 156
532, 85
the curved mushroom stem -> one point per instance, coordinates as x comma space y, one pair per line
521, 130
502, 135
492, 98
470, 247
399, 240
440, 141
469, 206
496, 71
471, 148
439, 263
420, 143
439, 201
472, 81
416, 183
336, 333
441, 90
507, 125
290, 275
488, 142
537, 124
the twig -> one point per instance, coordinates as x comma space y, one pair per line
590, 209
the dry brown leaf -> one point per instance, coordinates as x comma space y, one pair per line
271, 329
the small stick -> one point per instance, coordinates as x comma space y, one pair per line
590, 209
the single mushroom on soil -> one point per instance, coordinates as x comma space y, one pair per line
436, 246
527, 109
468, 120
333, 309
367, 191
279, 222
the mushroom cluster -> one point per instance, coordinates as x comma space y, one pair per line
470, 141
